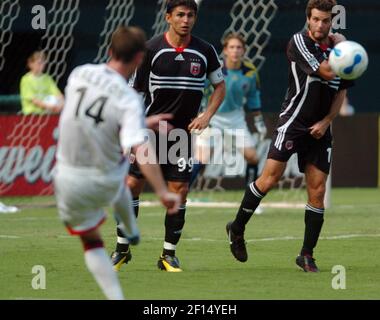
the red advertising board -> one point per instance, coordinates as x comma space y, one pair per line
27, 154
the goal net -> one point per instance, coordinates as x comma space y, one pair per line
251, 18
9, 12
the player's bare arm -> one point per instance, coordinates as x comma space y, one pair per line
39, 103
159, 122
318, 130
325, 70
216, 99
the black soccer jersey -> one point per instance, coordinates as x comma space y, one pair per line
309, 97
173, 79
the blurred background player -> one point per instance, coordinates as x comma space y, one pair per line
314, 97
172, 78
101, 117
242, 95
38, 91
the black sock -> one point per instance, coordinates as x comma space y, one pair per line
313, 225
167, 252
251, 173
136, 205
123, 247
250, 202
173, 228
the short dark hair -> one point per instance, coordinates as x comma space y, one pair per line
171, 4
233, 35
126, 42
322, 5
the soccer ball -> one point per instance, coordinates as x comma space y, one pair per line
51, 101
348, 60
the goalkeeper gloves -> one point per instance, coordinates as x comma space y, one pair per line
260, 126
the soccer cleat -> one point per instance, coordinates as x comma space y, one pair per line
118, 258
307, 263
169, 264
237, 244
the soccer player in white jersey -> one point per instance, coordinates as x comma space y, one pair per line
101, 122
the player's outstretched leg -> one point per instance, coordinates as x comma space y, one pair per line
235, 229
122, 254
99, 264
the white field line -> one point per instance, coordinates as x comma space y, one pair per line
35, 218
337, 237
31, 298
214, 204
224, 204
4, 236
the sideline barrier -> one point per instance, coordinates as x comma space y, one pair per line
28, 146
27, 151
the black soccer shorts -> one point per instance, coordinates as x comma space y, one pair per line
175, 160
308, 149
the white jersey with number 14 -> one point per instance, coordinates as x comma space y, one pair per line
102, 117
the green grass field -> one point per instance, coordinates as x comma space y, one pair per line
350, 237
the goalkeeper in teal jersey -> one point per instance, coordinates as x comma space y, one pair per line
242, 95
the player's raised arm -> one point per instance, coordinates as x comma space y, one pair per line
302, 51
325, 70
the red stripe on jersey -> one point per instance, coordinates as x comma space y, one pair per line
81, 232
323, 46
177, 49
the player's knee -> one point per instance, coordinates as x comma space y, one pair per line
180, 188
250, 156
252, 159
183, 191
135, 185
317, 193
271, 182
268, 182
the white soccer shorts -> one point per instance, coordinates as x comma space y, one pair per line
83, 193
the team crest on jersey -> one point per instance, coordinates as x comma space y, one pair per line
195, 68
289, 145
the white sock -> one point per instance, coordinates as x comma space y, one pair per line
99, 264
125, 215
